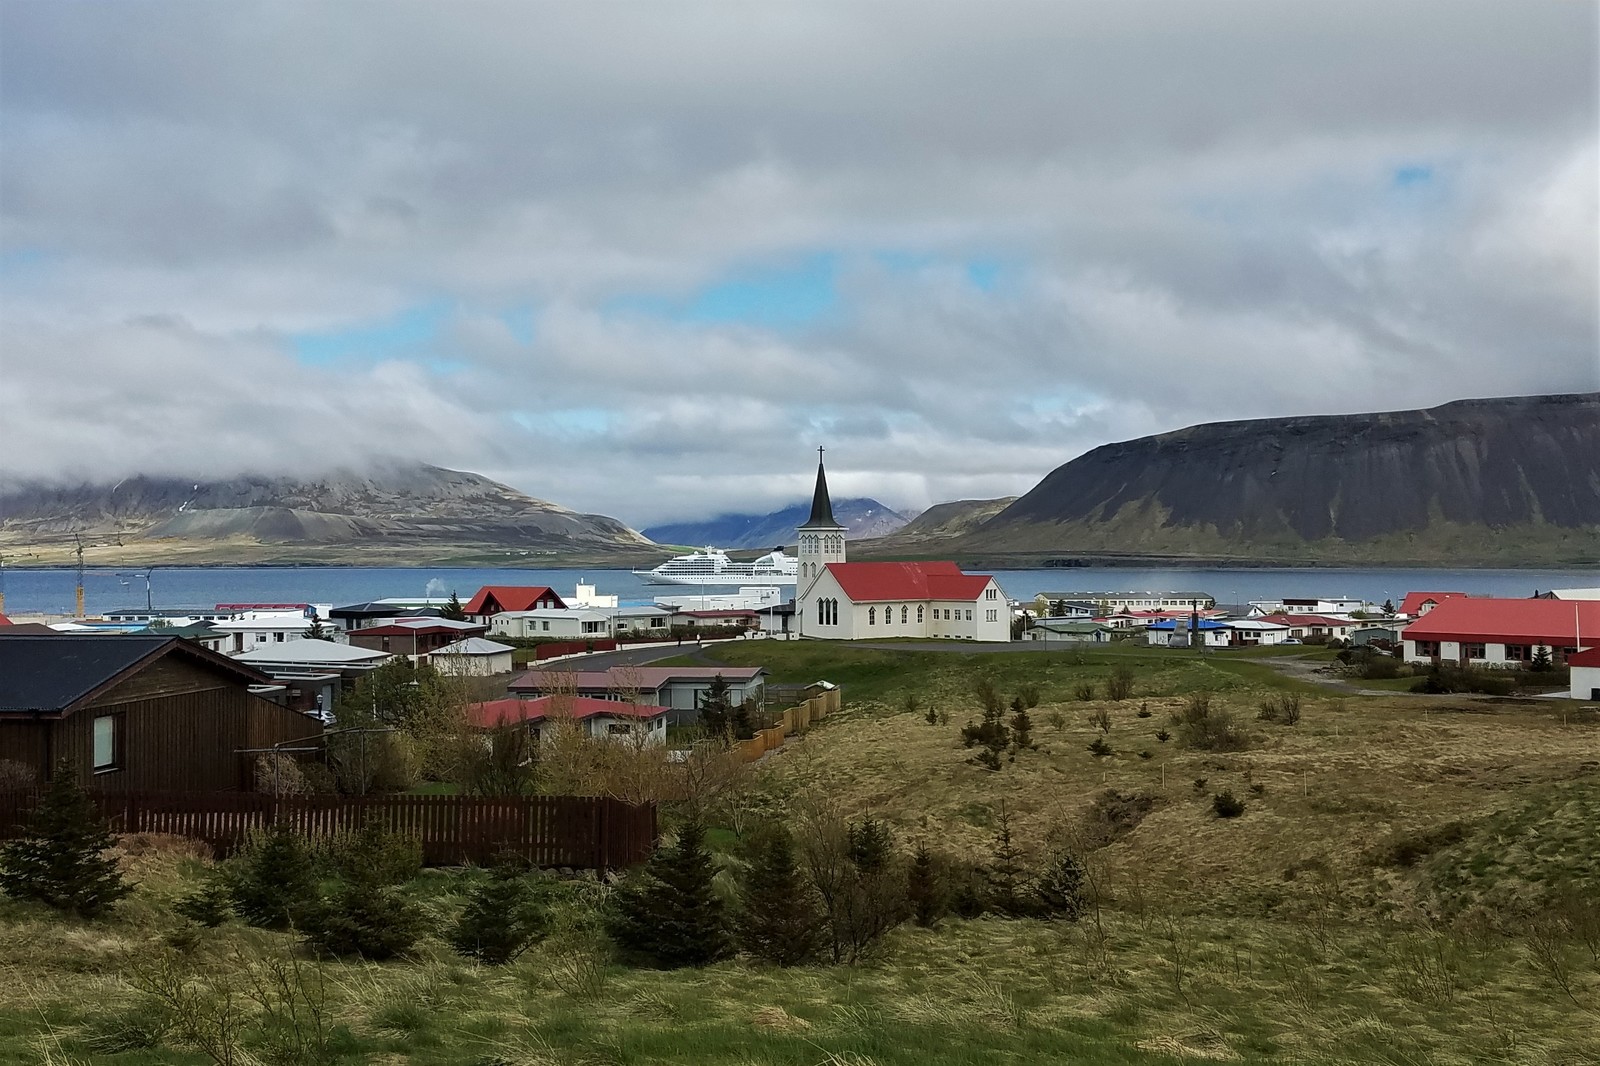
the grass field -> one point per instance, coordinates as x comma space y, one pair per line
1368, 906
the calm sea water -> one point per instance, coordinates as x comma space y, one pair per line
51, 591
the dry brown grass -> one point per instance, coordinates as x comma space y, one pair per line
1352, 773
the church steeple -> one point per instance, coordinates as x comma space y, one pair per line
821, 537
821, 504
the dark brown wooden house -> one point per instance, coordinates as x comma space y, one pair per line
137, 712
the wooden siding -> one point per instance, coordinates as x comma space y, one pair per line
580, 831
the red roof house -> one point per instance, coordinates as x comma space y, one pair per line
1496, 631
599, 717
493, 599
877, 582
1417, 604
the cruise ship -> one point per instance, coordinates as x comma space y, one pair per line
711, 566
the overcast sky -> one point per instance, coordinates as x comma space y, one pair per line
643, 259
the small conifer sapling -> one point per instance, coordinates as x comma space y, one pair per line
780, 919
668, 914
59, 860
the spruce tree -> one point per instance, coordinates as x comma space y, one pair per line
364, 919
780, 918
453, 610
1021, 726
744, 728
924, 888
59, 859
273, 883
716, 709
503, 918
1541, 659
1059, 890
871, 845
1007, 875
668, 914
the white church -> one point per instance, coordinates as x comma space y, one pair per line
839, 600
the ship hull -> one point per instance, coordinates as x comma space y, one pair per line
730, 580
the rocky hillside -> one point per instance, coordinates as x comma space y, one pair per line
406, 509
861, 518
1514, 480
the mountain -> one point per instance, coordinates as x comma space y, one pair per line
935, 527
1512, 481
860, 517
413, 512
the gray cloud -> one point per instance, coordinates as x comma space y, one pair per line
1197, 211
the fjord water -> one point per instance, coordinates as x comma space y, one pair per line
50, 591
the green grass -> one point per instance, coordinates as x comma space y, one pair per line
884, 676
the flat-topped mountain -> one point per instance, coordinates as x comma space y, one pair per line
410, 509
861, 518
1511, 481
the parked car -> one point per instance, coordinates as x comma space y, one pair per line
1291, 640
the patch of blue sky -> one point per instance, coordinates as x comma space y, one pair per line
571, 421
1412, 174
18, 260
408, 333
793, 294
521, 323
984, 273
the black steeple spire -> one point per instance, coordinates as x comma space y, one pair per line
821, 505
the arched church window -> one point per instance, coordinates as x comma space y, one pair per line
919, 614
872, 616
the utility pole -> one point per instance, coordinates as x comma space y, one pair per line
79, 541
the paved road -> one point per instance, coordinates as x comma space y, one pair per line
604, 660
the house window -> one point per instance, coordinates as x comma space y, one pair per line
919, 614
1518, 653
905, 614
872, 616
619, 729
1427, 647
278, 637
1474, 651
107, 743
546, 625
385, 643
969, 616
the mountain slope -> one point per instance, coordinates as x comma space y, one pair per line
861, 518
410, 509
1506, 480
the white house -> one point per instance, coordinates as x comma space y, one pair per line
1314, 605
1254, 631
839, 600
1585, 674
1175, 633
473, 657
262, 627
559, 622
641, 621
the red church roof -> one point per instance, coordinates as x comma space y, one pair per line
1552, 622
510, 598
1588, 657
501, 712
866, 582
1411, 606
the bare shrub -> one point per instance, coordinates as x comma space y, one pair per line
1029, 695
15, 776
1205, 729
1101, 720
861, 882
278, 774
1084, 692
1119, 686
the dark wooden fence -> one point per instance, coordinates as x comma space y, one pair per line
579, 831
